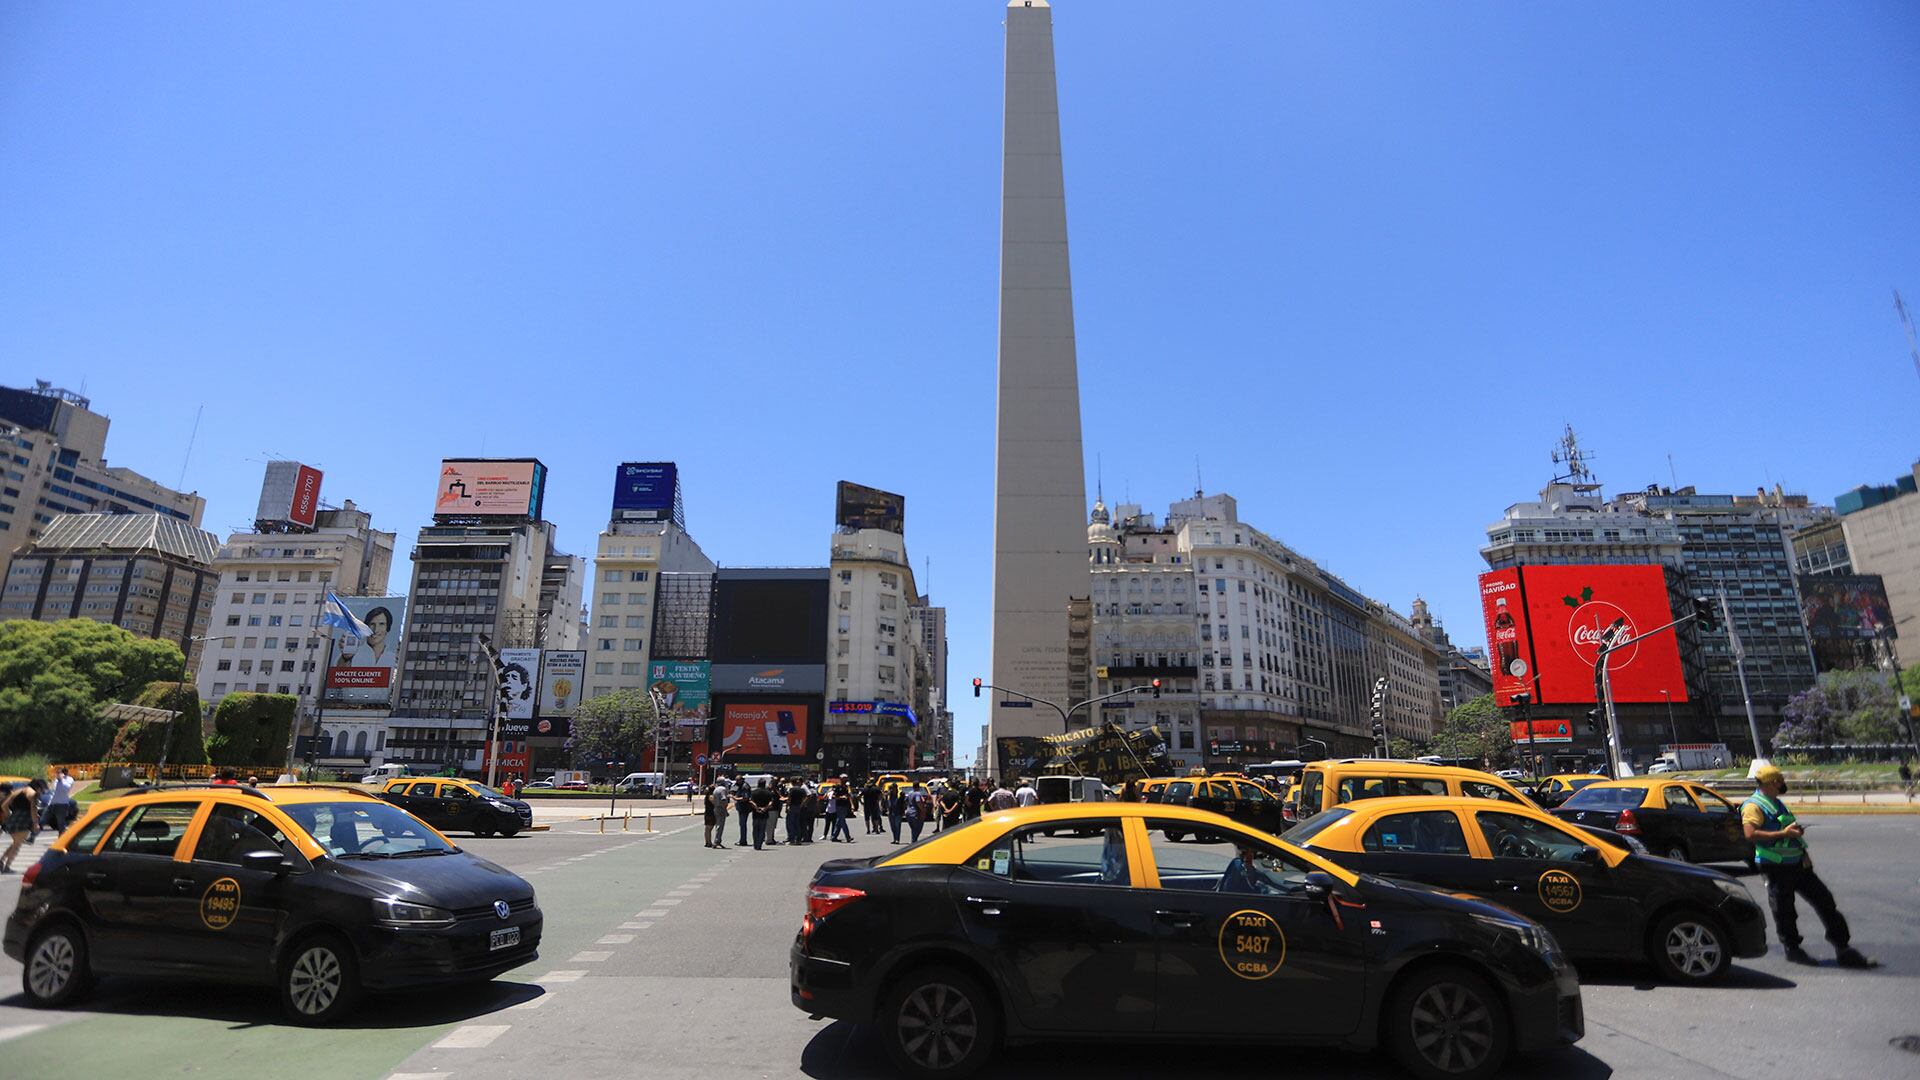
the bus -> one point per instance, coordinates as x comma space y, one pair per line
1275, 770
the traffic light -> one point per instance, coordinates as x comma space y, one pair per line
1156, 688
1593, 721
1706, 612
976, 688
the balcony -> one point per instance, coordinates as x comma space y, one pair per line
1152, 671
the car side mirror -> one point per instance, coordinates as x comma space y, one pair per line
1588, 855
1320, 884
271, 862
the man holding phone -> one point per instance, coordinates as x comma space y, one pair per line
1780, 851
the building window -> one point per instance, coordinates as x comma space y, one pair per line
608, 622
638, 575
606, 644
602, 667
273, 620
609, 598
631, 644
632, 669
279, 598
636, 622
612, 575
233, 620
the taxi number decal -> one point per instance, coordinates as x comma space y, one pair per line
220, 904
1252, 945
1559, 891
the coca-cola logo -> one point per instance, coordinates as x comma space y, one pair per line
1591, 626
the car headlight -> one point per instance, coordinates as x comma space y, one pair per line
498, 805
1735, 890
1533, 936
401, 913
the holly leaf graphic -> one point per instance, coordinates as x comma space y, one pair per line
1570, 602
1586, 593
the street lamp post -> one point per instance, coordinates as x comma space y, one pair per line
613, 786
1325, 751
1673, 730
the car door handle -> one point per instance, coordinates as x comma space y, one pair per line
1506, 883
1183, 920
96, 877
987, 905
182, 884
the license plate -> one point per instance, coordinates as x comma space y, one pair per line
503, 939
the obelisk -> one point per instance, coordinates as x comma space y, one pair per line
1040, 488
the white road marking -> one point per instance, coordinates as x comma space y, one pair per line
665, 902
560, 977
635, 925
651, 913
615, 939
471, 1036
415, 1076
18, 1030
589, 957
535, 1002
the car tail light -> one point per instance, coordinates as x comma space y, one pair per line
27, 879
1628, 825
824, 900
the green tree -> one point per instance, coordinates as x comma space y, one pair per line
55, 676
1856, 706
1475, 729
140, 740
1405, 749
611, 727
252, 729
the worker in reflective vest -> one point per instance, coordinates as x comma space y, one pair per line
1780, 851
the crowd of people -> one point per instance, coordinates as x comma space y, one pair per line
771, 811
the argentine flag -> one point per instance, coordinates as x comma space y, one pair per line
335, 614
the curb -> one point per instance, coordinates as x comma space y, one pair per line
1815, 809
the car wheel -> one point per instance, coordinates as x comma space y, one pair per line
1688, 948
1447, 1022
319, 981
482, 831
1675, 850
56, 973
938, 1022
510, 830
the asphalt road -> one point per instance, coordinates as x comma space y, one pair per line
662, 958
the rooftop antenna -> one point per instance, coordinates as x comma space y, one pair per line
1099, 480
1199, 489
191, 435
1567, 455
1906, 323
1673, 478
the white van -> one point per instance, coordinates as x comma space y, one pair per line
1060, 789
651, 783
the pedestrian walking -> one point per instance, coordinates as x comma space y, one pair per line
19, 815
843, 812
1780, 851
762, 802
743, 805
917, 810
870, 802
1001, 799
896, 809
1026, 795
976, 798
1906, 778
715, 805
796, 809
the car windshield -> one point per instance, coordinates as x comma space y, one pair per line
1579, 782
1314, 825
366, 830
484, 790
1606, 798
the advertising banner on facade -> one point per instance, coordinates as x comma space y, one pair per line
757, 679
290, 495
1108, 752
683, 691
490, 488
1844, 613
561, 682
1555, 621
856, 506
519, 682
1544, 731
362, 670
777, 729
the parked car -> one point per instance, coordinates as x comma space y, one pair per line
1510, 775
1660, 767
539, 785
684, 787
576, 785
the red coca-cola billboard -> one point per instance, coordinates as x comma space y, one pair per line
1551, 619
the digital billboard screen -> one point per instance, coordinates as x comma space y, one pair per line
645, 485
1553, 620
362, 670
770, 617
562, 681
683, 689
856, 506
475, 487
1843, 613
772, 729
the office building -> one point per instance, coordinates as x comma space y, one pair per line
1463, 673
53, 450
150, 574
1882, 529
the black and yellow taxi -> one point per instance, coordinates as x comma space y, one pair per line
453, 804
1600, 899
1327, 784
320, 892
1155, 922
1553, 790
1681, 819
1228, 795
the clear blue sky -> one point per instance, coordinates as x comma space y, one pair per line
1362, 260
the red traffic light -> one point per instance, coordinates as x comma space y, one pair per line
1156, 688
976, 688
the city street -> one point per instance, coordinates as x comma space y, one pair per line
662, 958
